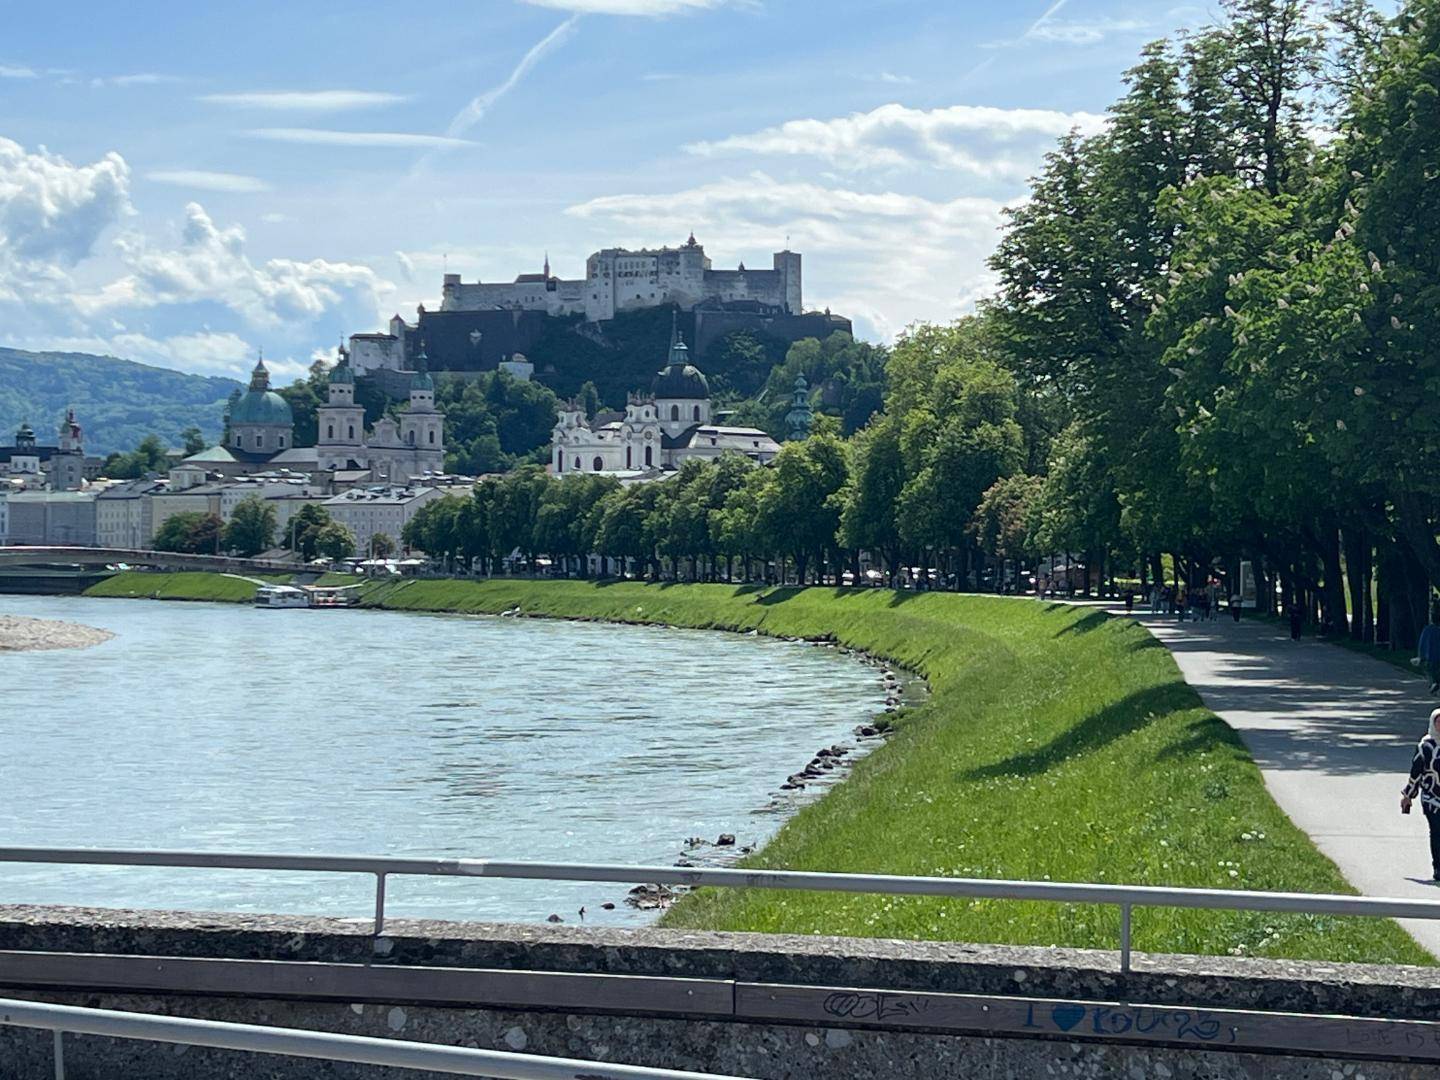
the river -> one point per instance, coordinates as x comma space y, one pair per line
228, 728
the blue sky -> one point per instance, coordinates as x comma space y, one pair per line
182, 184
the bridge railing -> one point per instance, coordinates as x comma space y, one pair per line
1124, 897
325, 1045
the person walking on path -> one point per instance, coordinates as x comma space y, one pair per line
1297, 620
1427, 652
1235, 606
1425, 783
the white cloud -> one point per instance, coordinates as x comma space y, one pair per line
887, 257
322, 137
407, 266
14, 71
305, 100
983, 140
209, 265
143, 78
891, 79
52, 211
208, 181
1050, 12
477, 107
1084, 33
626, 7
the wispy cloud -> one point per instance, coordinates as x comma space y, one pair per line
12, 71
1050, 12
140, 78
891, 79
208, 181
626, 7
478, 106
325, 137
1084, 33
305, 100
986, 141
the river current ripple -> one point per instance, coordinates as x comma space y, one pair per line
218, 727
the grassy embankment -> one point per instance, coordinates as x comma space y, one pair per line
1058, 744
185, 585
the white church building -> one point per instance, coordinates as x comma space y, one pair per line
658, 431
391, 451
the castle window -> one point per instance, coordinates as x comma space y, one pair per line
598, 463
674, 412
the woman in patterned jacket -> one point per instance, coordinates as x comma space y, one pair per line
1425, 782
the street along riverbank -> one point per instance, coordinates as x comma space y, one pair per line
1057, 743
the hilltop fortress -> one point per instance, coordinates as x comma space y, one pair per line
481, 326
618, 279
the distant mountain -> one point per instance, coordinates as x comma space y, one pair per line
118, 402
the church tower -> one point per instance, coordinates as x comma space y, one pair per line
340, 420
422, 426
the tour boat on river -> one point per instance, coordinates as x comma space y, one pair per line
306, 596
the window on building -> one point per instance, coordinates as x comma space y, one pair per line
259, 440
674, 412
599, 463
629, 457
282, 440
329, 431
410, 437
649, 456
697, 412
577, 462
432, 437
237, 440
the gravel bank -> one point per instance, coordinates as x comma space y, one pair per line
19, 633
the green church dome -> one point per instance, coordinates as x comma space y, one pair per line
679, 378
260, 404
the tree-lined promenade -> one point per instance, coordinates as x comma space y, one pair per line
1214, 340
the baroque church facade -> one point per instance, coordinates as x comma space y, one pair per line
657, 432
260, 433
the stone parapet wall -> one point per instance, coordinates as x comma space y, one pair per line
750, 1005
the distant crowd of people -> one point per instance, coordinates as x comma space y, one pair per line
1197, 603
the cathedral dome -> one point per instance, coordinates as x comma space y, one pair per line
680, 378
260, 404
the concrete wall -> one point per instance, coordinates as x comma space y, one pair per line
751, 1005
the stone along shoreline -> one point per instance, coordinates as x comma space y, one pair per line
19, 633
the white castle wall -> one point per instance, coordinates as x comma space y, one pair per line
617, 279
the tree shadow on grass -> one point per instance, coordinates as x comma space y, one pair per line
1099, 730
1092, 620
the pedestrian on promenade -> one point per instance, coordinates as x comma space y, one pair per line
1425, 782
1428, 651
1212, 600
1235, 606
1297, 620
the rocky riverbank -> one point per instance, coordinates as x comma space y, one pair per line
19, 633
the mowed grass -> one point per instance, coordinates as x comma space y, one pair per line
183, 585
1058, 744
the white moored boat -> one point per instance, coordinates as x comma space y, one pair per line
281, 596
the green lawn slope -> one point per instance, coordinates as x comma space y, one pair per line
1058, 743
185, 585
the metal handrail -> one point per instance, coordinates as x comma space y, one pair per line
330, 1046
1125, 897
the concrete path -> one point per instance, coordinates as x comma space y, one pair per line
1333, 732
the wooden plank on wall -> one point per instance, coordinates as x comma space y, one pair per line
1214, 1029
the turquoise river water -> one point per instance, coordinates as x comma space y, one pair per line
220, 727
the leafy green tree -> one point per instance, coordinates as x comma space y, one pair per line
335, 541
150, 456
191, 532
251, 528
381, 546
193, 439
304, 527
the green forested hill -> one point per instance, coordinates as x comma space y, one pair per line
118, 402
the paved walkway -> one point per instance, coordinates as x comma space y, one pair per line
1333, 732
